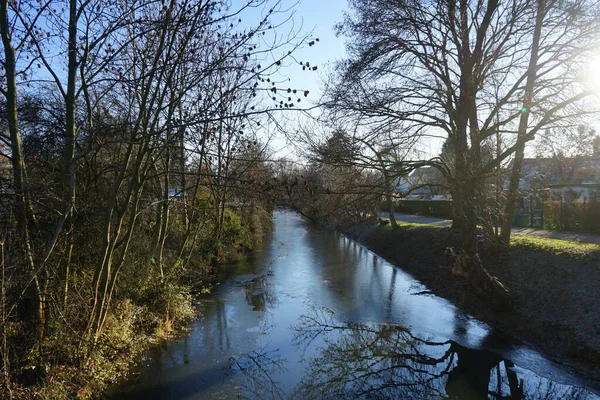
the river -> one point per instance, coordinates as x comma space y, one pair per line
314, 315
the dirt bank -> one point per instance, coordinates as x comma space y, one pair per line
556, 295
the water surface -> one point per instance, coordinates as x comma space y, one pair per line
314, 315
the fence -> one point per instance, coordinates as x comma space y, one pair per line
576, 216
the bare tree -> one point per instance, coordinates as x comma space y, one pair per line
15, 38
191, 83
382, 152
139, 122
464, 69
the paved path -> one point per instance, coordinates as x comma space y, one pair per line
570, 236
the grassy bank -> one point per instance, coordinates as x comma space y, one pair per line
555, 286
146, 310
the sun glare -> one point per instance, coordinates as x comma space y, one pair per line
593, 73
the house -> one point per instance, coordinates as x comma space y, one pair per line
561, 193
567, 178
421, 183
574, 191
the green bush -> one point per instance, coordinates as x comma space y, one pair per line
434, 208
232, 227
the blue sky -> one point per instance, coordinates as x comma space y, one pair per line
317, 18
305, 17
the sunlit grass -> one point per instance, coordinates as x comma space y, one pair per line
418, 225
411, 224
555, 246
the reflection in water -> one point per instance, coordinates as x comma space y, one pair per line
267, 332
389, 362
258, 370
256, 294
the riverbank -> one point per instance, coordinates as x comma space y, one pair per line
556, 291
146, 312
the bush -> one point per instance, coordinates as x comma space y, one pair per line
233, 231
169, 305
434, 208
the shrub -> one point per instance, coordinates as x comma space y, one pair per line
169, 305
434, 208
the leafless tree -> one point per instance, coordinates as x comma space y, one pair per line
467, 70
128, 114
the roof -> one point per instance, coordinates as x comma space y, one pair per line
419, 176
557, 171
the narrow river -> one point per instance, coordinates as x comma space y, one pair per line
314, 315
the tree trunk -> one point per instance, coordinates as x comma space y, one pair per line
165, 210
391, 211
24, 212
457, 209
388, 195
515, 177
465, 262
468, 217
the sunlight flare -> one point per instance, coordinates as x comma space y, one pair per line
593, 73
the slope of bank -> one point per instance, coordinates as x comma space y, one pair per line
146, 311
556, 290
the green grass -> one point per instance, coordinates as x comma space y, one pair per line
417, 225
411, 225
555, 246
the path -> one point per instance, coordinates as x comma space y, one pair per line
570, 236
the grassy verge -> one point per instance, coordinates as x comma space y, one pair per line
554, 246
412, 225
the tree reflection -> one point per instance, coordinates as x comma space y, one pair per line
258, 369
256, 293
389, 362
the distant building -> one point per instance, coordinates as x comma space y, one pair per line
568, 178
574, 191
422, 183
175, 193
